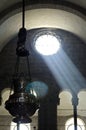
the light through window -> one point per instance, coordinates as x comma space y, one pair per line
71, 127
70, 124
22, 126
47, 44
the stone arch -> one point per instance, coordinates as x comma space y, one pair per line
82, 104
65, 107
5, 95
33, 20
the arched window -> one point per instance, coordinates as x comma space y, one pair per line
22, 126
70, 124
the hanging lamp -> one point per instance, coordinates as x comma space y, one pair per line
21, 104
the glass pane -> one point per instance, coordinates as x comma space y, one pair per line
22, 127
71, 127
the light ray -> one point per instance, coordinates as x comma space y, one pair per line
64, 71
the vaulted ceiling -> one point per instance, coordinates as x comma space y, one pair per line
67, 18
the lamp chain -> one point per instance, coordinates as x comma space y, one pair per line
23, 13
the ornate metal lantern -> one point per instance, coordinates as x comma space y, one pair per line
21, 104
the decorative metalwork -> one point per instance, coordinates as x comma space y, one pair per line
21, 104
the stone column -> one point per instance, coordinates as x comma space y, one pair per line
47, 119
75, 104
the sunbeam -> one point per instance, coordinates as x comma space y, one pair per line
64, 71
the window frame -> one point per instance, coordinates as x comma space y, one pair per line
13, 126
70, 122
